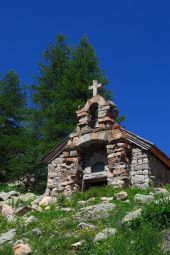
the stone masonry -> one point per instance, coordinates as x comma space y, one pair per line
101, 152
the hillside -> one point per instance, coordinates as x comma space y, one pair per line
54, 229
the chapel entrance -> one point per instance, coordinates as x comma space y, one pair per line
94, 165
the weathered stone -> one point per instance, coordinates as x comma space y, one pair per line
46, 201
3, 196
30, 220
13, 193
83, 225
143, 199
125, 159
66, 209
8, 236
166, 241
6, 210
37, 232
27, 197
104, 234
121, 195
106, 199
161, 191
37, 200
96, 212
21, 248
22, 210
132, 215
76, 246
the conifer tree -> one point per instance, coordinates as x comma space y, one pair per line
65, 74
12, 115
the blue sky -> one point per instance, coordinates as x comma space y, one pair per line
132, 41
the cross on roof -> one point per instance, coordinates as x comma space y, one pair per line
94, 87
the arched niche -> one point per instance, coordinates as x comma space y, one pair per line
93, 111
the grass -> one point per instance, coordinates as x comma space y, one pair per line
59, 229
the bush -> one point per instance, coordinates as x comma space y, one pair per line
157, 214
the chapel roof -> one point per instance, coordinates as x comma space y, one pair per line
131, 137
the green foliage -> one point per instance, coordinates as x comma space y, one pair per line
59, 229
12, 117
155, 214
65, 74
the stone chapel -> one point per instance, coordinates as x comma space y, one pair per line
101, 152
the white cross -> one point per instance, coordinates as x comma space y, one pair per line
94, 87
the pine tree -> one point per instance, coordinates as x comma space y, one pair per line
65, 74
12, 112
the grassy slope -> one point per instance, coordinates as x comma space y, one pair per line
59, 229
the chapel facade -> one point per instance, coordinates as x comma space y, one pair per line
101, 152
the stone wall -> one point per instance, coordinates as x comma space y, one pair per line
62, 175
160, 173
140, 169
118, 164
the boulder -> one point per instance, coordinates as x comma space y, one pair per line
13, 193
162, 191
77, 245
6, 210
37, 200
85, 202
3, 196
166, 241
23, 210
46, 201
21, 248
83, 225
132, 215
36, 232
8, 236
143, 199
104, 234
27, 197
106, 199
30, 220
66, 209
95, 212
121, 196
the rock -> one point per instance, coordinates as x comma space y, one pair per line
37, 200
6, 210
66, 209
46, 201
37, 232
95, 212
104, 234
82, 202
166, 241
27, 197
106, 199
83, 225
77, 245
21, 248
161, 191
7, 195
8, 236
121, 196
85, 202
132, 215
3, 196
12, 201
143, 199
13, 193
23, 210
47, 208
10, 218
30, 220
